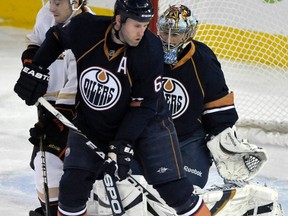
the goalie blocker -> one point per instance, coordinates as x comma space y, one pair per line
236, 160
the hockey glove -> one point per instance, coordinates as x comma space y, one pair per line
236, 159
119, 160
29, 53
32, 83
54, 133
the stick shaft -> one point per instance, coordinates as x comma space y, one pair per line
45, 179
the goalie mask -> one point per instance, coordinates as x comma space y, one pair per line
176, 28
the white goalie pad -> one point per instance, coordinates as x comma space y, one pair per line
245, 200
134, 202
231, 200
236, 159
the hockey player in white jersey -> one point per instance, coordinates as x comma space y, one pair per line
48, 134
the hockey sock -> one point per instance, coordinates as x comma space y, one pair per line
53, 208
60, 214
176, 192
68, 211
193, 207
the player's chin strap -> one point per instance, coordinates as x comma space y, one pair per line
109, 182
73, 5
74, 11
236, 160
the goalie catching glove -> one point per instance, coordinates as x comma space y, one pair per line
119, 160
236, 159
32, 83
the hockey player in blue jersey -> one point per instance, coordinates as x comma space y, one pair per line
120, 106
195, 90
201, 104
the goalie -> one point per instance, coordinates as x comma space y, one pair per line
202, 106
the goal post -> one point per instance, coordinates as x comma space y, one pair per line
250, 39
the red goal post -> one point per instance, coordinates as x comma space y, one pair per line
250, 39
154, 20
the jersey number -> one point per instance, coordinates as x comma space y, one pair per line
158, 83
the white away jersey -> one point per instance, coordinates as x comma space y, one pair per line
62, 84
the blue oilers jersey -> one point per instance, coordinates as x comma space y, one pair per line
119, 87
196, 92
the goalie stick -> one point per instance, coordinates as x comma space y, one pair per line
109, 182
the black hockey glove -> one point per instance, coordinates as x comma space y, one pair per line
52, 130
32, 83
119, 161
29, 53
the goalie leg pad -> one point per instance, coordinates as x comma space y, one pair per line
249, 199
134, 202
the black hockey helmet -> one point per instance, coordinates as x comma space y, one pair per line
140, 10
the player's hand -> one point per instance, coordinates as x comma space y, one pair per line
29, 53
51, 130
119, 160
32, 83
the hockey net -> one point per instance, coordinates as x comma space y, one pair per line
250, 39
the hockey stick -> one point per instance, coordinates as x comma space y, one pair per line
44, 169
142, 189
44, 175
112, 189
109, 181
149, 196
